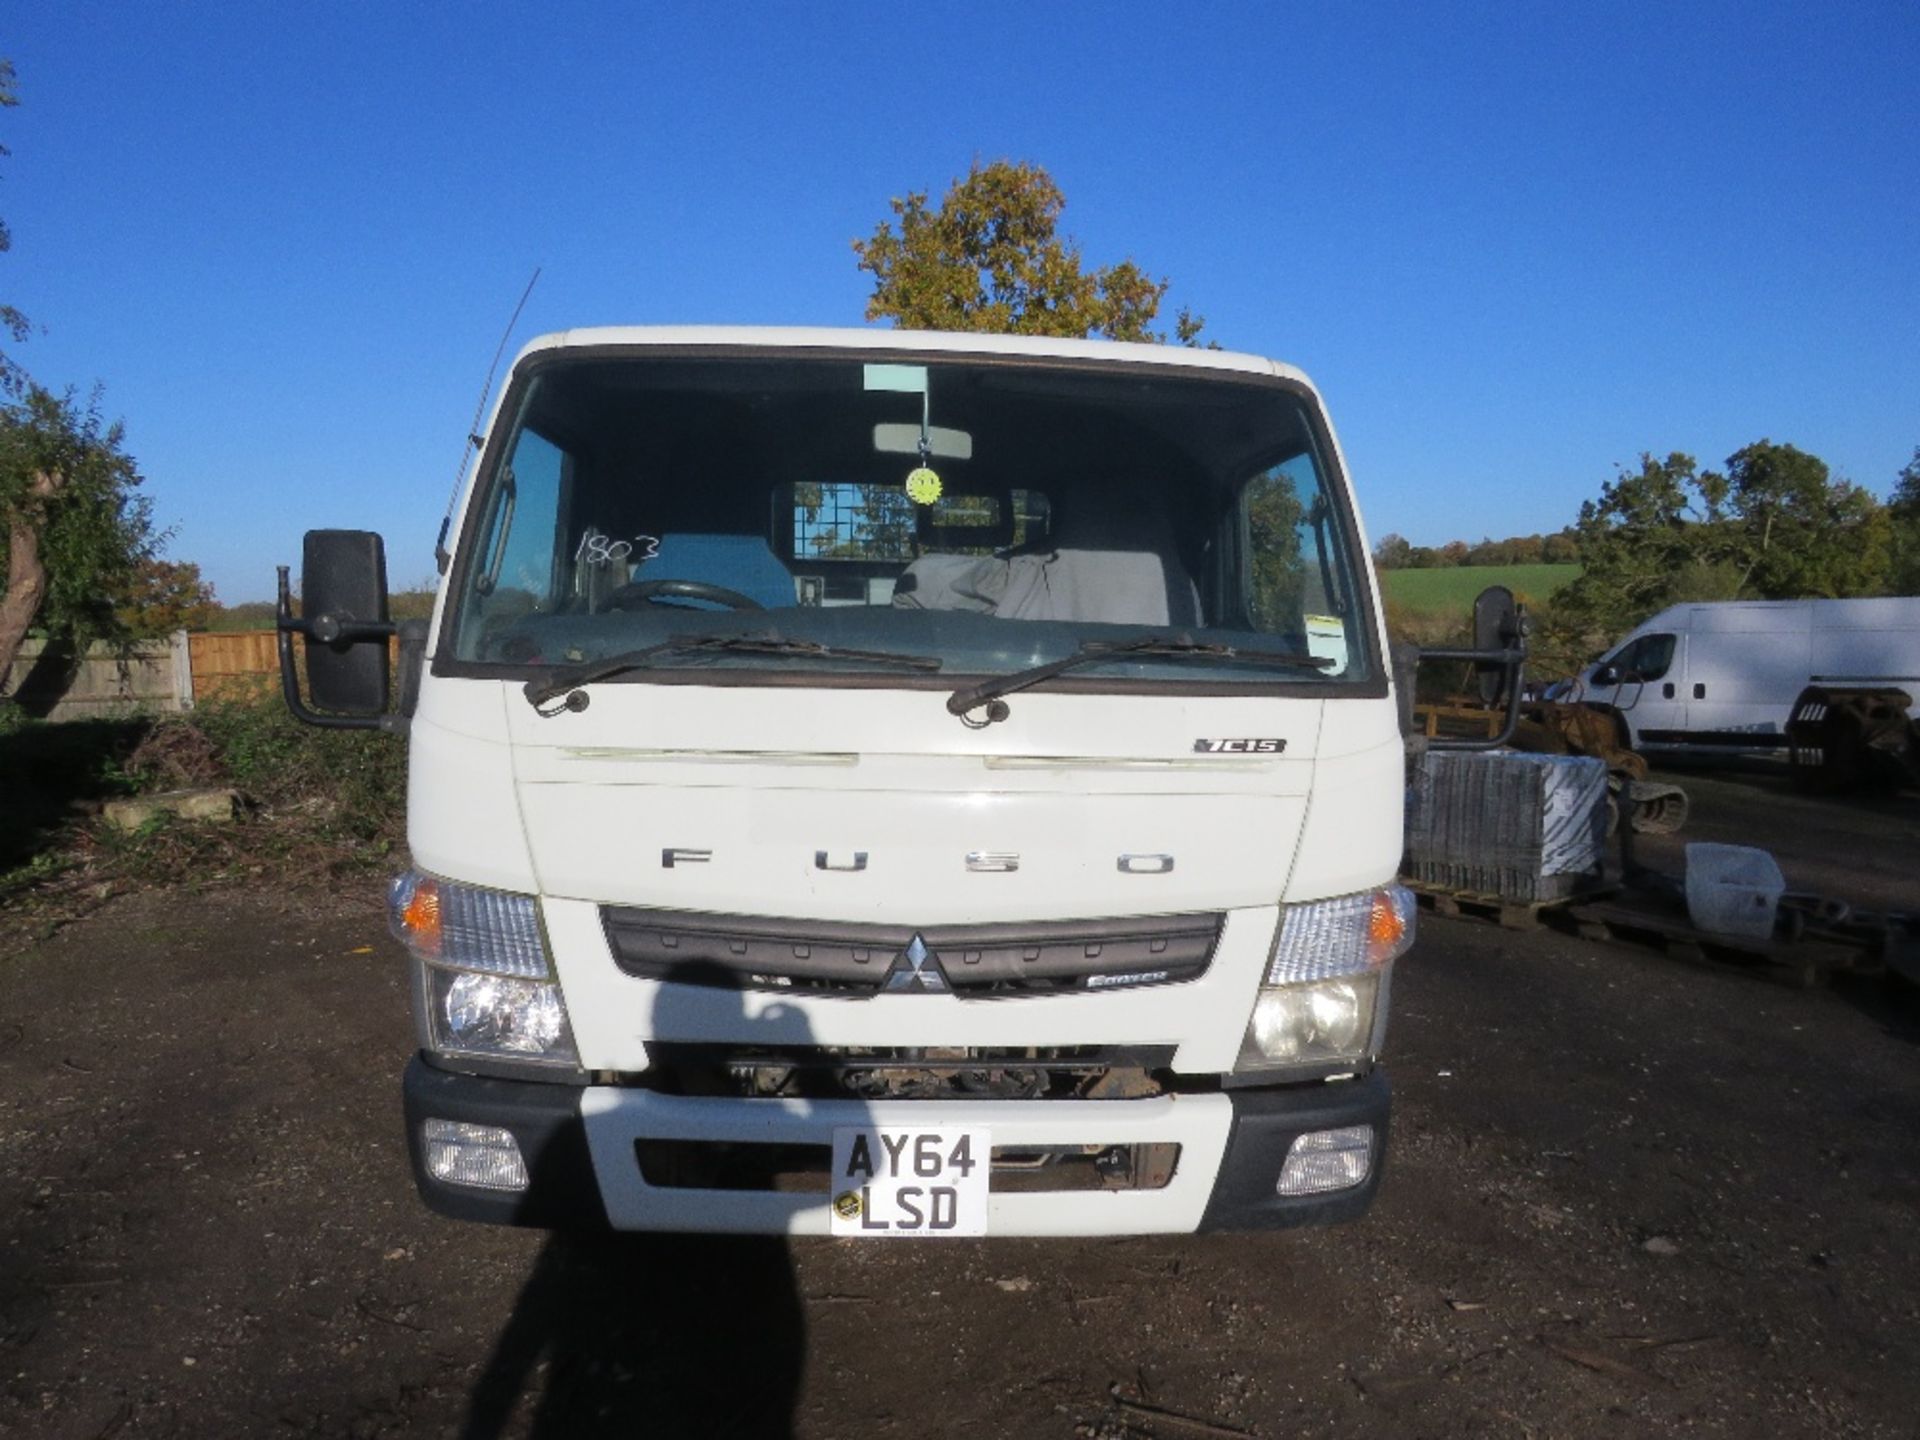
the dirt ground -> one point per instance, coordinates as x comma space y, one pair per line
1625, 1196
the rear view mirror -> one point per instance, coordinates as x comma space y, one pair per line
343, 601
944, 444
343, 582
1607, 675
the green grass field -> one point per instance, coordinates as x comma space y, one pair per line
1451, 591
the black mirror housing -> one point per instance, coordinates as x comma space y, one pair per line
1496, 626
343, 588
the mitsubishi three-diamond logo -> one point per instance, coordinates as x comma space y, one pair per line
917, 969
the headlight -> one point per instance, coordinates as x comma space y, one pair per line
1320, 1001
1329, 1020
476, 1014
485, 984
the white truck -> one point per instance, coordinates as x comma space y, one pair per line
1726, 676
879, 783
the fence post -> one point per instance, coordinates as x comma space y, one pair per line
182, 655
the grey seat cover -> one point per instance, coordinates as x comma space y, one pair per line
1115, 587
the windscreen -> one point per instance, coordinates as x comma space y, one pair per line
971, 517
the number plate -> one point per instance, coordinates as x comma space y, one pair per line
890, 1183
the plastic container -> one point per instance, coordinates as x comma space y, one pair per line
1733, 890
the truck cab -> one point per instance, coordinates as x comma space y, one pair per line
879, 783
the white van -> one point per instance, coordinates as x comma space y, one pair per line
1724, 676
881, 784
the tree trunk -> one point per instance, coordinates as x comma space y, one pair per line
26, 572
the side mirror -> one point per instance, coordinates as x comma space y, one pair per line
1496, 626
1499, 660
343, 596
343, 583
1607, 675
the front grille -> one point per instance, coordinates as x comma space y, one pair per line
969, 961
797, 1168
903, 1072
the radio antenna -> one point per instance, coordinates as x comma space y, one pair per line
441, 555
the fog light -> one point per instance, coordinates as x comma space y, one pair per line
1323, 1160
484, 1156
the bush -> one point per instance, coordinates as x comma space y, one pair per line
314, 803
352, 783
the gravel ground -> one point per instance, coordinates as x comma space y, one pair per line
1626, 1196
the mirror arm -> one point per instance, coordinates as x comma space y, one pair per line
413, 660
1513, 661
328, 629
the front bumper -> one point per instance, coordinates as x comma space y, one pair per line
579, 1146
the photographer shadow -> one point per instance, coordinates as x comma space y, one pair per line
660, 1334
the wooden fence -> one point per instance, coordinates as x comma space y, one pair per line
171, 674
230, 663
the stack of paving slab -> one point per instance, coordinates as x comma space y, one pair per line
1524, 828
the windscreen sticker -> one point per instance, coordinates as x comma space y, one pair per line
596, 548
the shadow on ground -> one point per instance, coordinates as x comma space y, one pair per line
661, 1334
52, 771
648, 1335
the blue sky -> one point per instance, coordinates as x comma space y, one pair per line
1515, 245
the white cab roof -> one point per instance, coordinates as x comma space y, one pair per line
935, 341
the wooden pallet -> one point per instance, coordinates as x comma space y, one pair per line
1507, 913
1646, 924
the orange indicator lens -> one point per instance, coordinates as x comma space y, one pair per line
1385, 927
421, 917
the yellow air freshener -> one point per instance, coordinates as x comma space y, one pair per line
923, 486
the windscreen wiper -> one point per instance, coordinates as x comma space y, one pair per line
569, 680
1180, 647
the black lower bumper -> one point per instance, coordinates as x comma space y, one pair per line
1246, 1193
563, 1192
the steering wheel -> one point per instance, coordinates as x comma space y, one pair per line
653, 591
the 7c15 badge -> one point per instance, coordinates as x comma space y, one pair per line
1239, 747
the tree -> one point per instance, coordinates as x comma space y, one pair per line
1648, 527
75, 531
12, 378
989, 258
164, 596
1775, 526
1561, 548
1393, 552
1903, 515
1799, 532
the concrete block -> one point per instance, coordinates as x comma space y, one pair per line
208, 806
